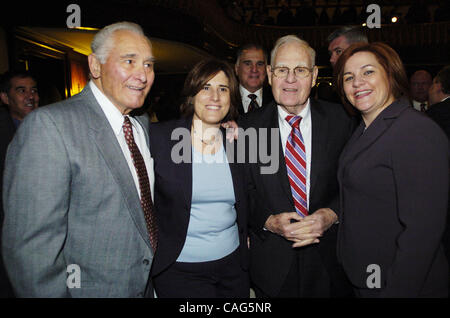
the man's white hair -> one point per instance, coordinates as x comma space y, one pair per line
292, 38
101, 45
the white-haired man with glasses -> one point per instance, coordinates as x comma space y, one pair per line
292, 213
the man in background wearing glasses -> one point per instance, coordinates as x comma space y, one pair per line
292, 213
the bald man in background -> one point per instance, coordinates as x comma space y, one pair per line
420, 83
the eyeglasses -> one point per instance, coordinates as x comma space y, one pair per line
299, 71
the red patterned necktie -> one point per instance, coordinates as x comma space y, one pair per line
295, 157
144, 184
253, 103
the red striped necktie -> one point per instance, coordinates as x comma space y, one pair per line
295, 156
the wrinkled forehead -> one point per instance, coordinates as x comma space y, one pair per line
293, 53
125, 41
252, 53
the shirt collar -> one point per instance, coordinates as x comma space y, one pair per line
114, 116
445, 98
245, 92
305, 113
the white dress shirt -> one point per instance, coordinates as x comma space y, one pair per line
306, 131
246, 100
416, 105
116, 119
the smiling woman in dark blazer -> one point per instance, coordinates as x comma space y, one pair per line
393, 176
200, 201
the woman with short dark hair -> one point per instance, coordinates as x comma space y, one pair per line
393, 177
200, 199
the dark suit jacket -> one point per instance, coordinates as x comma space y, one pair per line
267, 98
271, 255
173, 194
394, 188
7, 130
440, 113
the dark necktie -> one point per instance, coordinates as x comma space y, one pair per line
295, 157
144, 184
253, 103
423, 107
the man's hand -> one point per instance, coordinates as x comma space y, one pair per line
313, 227
289, 225
301, 231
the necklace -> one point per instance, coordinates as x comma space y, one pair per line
207, 142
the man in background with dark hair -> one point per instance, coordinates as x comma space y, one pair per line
18, 91
338, 41
250, 69
341, 39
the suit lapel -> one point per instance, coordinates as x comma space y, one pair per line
185, 168
280, 177
236, 174
106, 142
361, 139
319, 142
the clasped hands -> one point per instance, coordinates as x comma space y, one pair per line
302, 231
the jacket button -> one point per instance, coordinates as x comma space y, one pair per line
146, 262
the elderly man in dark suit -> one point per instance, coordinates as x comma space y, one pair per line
77, 182
19, 93
293, 210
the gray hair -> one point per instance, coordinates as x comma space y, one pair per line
292, 38
352, 34
250, 46
101, 45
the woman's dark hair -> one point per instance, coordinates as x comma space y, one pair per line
388, 59
197, 79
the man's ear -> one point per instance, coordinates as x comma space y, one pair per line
269, 74
94, 65
315, 73
4, 98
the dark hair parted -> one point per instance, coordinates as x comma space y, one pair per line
351, 33
6, 78
250, 46
388, 59
199, 76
